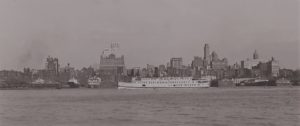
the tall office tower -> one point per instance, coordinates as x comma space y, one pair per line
255, 55
206, 58
206, 52
112, 67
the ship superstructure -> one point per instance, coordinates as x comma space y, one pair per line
167, 82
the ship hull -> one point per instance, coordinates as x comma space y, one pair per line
127, 85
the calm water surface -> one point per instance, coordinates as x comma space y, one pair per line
253, 106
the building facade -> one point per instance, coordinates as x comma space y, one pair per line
111, 66
207, 57
250, 63
274, 67
52, 68
197, 63
176, 63
176, 68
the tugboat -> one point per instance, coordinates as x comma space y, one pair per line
255, 82
73, 83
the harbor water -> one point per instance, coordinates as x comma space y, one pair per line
242, 106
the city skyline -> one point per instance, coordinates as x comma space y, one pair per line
77, 33
186, 63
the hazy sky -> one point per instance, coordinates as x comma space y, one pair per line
149, 31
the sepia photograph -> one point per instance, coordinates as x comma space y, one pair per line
149, 62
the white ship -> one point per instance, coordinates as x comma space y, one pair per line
167, 82
39, 81
283, 82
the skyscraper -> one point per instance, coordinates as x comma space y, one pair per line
112, 67
206, 52
206, 58
255, 55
